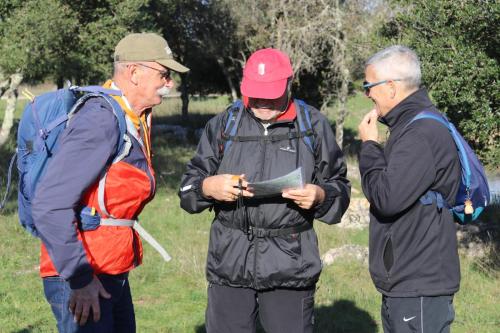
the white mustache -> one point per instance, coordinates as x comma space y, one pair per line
163, 92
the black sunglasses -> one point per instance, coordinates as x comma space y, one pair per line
367, 85
165, 74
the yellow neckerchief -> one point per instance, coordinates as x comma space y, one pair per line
140, 123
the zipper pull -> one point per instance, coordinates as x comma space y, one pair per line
468, 208
265, 125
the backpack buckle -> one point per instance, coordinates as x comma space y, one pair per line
43, 133
257, 232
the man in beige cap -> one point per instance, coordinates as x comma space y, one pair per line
85, 269
137, 55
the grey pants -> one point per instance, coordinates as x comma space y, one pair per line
417, 314
235, 310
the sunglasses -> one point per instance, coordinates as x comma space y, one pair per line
165, 74
367, 85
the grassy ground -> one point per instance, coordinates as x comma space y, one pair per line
171, 297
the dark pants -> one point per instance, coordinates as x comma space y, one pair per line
280, 310
417, 314
117, 313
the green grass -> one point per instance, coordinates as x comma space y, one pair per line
171, 297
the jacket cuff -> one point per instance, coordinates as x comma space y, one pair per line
330, 194
198, 188
370, 156
80, 281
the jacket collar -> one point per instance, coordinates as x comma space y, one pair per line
407, 108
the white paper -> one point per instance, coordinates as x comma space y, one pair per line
274, 187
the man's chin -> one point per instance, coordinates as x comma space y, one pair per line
266, 115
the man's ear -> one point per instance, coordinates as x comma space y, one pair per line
133, 73
393, 88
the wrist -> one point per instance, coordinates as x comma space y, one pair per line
205, 188
80, 281
320, 196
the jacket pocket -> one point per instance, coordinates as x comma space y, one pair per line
290, 245
280, 258
229, 255
388, 254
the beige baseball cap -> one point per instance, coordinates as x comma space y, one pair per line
147, 47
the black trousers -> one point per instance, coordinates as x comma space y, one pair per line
417, 314
235, 310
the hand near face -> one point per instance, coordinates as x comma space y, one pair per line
225, 187
368, 127
307, 197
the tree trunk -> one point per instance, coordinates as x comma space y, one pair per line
342, 100
8, 118
227, 75
184, 97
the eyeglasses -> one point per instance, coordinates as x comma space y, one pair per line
165, 74
367, 85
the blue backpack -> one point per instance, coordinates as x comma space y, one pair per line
234, 113
473, 194
42, 122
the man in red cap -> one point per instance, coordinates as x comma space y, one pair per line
263, 254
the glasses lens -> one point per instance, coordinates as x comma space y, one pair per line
165, 74
366, 87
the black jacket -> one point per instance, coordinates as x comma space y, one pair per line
266, 262
413, 248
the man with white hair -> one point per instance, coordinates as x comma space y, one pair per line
413, 246
85, 261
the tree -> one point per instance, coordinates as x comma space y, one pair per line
458, 44
320, 36
63, 40
202, 33
8, 88
31, 49
102, 25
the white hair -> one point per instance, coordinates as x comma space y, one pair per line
397, 62
118, 67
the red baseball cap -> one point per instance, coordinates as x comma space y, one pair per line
266, 74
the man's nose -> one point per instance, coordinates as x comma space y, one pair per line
170, 83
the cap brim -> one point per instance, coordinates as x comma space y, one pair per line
173, 65
266, 90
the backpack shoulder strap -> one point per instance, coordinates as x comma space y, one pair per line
429, 115
124, 143
462, 154
304, 121
230, 125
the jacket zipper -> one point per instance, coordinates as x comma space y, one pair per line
256, 243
